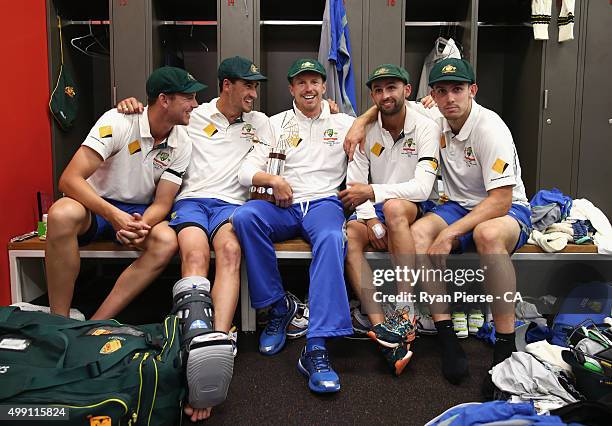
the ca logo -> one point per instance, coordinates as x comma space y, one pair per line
4, 368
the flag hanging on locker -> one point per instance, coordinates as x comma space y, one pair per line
335, 55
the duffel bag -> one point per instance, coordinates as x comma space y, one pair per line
100, 372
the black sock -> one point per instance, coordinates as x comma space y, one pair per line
454, 360
504, 346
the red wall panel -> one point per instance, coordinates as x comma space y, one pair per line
25, 144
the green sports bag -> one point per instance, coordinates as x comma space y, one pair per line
98, 373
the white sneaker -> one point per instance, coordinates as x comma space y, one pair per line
233, 335
24, 306
475, 320
460, 324
298, 326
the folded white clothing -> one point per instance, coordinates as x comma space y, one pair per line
25, 306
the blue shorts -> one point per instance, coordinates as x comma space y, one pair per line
208, 214
451, 212
423, 207
101, 229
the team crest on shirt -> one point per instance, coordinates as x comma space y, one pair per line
330, 137
247, 132
409, 147
468, 156
162, 160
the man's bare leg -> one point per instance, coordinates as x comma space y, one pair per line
195, 252
454, 360
67, 219
357, 268
195, 261
494, 240
159, 248
227, 277
399, 215
195, 258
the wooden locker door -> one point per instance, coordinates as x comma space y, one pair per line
595, 163
130, 49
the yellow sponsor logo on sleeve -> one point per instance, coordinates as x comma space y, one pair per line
499, 166
106, 131
434, 164
210, 130
134, 146
377, 149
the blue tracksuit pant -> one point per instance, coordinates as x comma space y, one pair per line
258, 224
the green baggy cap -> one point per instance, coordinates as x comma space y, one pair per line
452, 69
239, 67
388, 71
172, 80
64, 101
306, 65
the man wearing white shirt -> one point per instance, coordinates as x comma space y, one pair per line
121, 184
389, 186
487, 207
223, 132
306, 205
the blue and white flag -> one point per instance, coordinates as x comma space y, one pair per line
335, 55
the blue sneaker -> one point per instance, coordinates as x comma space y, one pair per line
315, 365
273, 338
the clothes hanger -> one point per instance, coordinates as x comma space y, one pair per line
200, 42
85, 44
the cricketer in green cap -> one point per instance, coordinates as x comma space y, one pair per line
452, 69
306, 65
389, 88
388, 71
307, 86
171, 80
239, 67
453, 88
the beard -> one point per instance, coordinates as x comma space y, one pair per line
397, 107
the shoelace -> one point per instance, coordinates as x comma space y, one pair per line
320, 360
274, 324
399, 322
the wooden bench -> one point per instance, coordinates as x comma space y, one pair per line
28, 279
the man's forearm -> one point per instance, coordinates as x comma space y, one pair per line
156, 213
264, 179
368, 117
